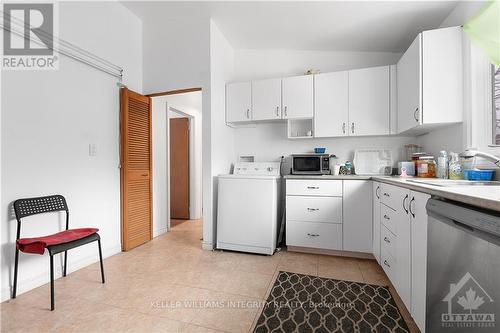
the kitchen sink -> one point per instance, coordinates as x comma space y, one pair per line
452, 182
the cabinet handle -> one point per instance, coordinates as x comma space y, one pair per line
386, 217
286, 111
343, 128
387, 264
377, 191
277, 111
404, 201
415, 114
352, 128
312, 209
313, 187
248, 113
312, 235
409, 207
386, 194
387, 240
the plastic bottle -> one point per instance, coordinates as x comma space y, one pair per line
442, 165
455, 171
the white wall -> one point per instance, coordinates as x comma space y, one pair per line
48, 121
190, 104
269, 141
222, 136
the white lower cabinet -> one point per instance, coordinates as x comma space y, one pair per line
357, 207
376, 221
325, 214
314, 235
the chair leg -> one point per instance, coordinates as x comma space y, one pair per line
16, 265
100, 258
51, 282
65, 262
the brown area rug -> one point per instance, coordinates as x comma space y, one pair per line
305, 303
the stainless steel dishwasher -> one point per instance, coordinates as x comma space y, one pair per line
463, 269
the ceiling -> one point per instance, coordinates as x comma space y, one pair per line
340, 25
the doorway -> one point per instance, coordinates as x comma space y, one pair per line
177, 161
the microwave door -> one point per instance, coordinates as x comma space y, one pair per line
306, 165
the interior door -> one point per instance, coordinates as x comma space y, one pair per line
369, 101
136, 169
179, 168
331, 104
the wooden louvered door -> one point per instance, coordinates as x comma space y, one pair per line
136, 169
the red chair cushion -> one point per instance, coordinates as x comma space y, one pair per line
38, 244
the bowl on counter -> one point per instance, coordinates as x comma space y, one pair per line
319, 150
476, 174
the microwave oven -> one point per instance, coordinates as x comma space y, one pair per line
310, 164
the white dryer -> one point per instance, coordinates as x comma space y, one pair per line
248, 208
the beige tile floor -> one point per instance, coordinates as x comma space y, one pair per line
171, 285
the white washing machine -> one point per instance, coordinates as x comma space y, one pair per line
248, 208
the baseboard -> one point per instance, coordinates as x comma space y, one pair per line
159, 232
41, 279
207, 246
311, 250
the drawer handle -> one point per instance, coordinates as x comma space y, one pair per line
386, 217
312, 209
386, 194
386, 263
387, 240
312, 235
313, 187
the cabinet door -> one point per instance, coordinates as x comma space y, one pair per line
357, 223
409, 87
369, 102
266, 99
331, 104
238, 102
403, 249
376, 221
298, 97
418, 214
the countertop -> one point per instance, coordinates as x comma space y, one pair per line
486, 197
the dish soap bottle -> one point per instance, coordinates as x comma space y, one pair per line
442, 170
455, 171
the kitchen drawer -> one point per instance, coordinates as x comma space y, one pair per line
388, 241
313, 234
314, 209
393, 196
388, 218
388, 263
314, 187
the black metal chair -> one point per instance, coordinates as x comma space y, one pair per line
56, 243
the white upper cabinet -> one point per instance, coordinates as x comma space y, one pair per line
430, 82
357, 227
238, 102
369, 101
266, 99
331, 104
298, 97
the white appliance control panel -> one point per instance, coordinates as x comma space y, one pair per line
257, 168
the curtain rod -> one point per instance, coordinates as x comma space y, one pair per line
66, 48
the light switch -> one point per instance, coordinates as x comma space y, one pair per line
92, 149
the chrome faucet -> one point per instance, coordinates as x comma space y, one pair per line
474, 153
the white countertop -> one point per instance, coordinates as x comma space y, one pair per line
487, 197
